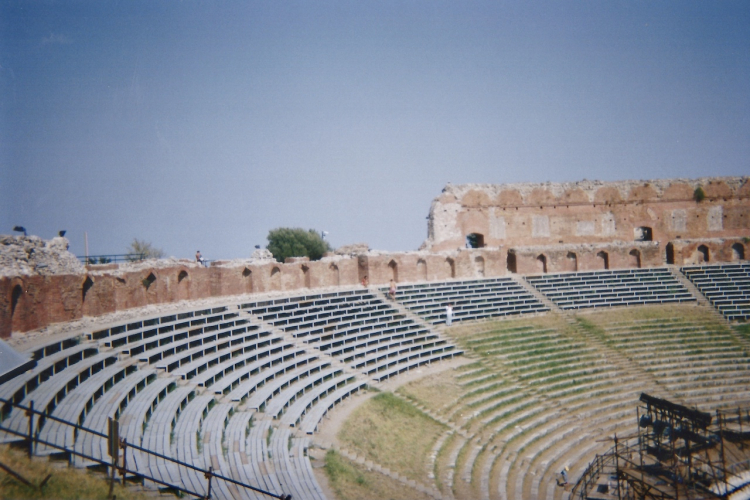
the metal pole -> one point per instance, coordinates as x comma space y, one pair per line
86, 243
30, 413
209, 474
723, 458
617, 470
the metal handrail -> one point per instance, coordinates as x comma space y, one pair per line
35, 440
111, 258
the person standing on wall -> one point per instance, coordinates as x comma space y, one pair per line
392, 290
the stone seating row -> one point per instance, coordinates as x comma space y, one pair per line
726, 286
471, 299
181, 320
610, 288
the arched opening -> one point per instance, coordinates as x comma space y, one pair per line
15, 296
643, 233
87, 284
248, 275
479, 265
511, 262
335, 273
635, 258
362, 267
703, 255
571, 262
670, 253
603, 258
148, 281
738, 251
422, 270
275, 278
474, 240
183, 274
451, 267
306, 275
541, 264
394, 270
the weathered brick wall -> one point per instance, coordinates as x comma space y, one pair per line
527, 228
588, 212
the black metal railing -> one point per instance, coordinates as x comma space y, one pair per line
111, 258
33, 440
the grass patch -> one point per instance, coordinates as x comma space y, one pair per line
392, 433
352, 481
65, 483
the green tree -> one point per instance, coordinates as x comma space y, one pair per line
286, 242
144, 248
699, 195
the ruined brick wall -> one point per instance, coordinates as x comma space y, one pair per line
526, 228
589, 212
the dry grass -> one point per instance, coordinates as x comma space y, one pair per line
352, 481
393, 433
436, 391
66, 483
629, 314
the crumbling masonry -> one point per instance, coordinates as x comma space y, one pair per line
515, 228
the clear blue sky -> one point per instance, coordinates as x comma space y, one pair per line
204, 124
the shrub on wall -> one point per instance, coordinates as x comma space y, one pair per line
286, 242
699, 194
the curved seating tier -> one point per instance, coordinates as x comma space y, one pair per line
619, 287
181, 384
547, 392
471, 299
726, 286
356, 327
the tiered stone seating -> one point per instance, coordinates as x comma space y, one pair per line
356, 327
726, 286
162, 377
619, 287
471, 299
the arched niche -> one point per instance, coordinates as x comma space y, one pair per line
85, 287
422, 270
479, 265
634, 258
738, 252
275, 283
603, 258
670, 253
451, 267
247, 275
336, 276
571, 261
393, 266
511, 263
541, 264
